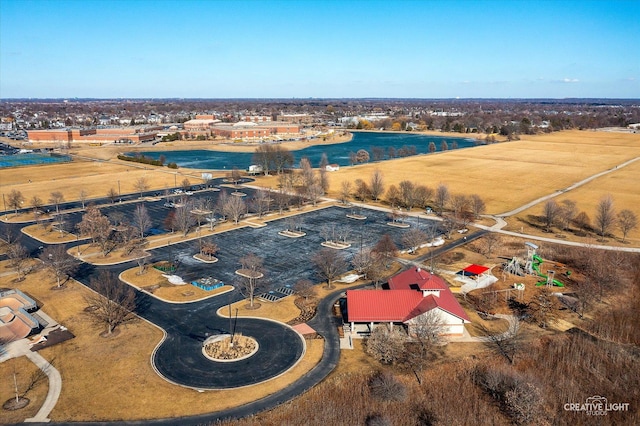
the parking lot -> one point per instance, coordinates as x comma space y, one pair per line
286, 260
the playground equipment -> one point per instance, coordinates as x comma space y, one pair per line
532, 267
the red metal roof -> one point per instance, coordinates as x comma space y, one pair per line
398, 305
475, 269
417, 277
381, 305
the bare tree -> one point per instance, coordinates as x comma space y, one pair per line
208, 249
15, 200
113, 303
56, 198
98, 227
385, 346
508, 343
264, 157
566, 213
362, 156
323, 180
82, 195
582, 221
376, 185
141, 219
413, 238
393, 196
461, 205
422, 194
58, 262
36, 203
329, 263
525, 404
362, 190
250, 276
112, 194
550, 214
362, 260
544, 307
183, 220
441, 197
141, 259
627, 221
234, 207
282, 159
477, 205
605, 215
385, 387
386, 248
305, 289
426, 332
489, 242
141, 185
185, 184
407, 193
345, 191
235, 176
19, 259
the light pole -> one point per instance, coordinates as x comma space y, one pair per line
5, 203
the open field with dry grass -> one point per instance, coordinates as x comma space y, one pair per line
510, 174
624, 187
94, 177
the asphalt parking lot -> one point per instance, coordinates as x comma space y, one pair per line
286, 260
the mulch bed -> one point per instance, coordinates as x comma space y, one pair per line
53, 338
307, 311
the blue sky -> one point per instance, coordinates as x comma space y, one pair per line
285, 49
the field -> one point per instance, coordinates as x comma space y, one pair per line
623, 187
510, 174
94, 177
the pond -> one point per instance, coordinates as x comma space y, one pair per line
336, 153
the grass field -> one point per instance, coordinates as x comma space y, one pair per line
624, 187
511, 174
96, 178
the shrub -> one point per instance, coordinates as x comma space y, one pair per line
385, 386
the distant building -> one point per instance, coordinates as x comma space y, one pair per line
332, 167
200, 124
106, 135
296, 118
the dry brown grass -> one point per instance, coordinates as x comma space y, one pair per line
525, 169
153, 282
622, 184
47, 234
283, 310
95, 177
93, 367
24, 369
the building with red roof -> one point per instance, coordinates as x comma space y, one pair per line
412, 293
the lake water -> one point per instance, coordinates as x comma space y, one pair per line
336, 153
